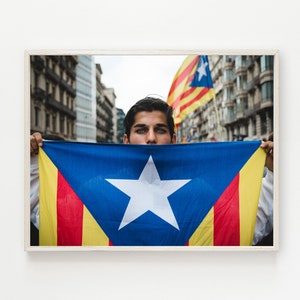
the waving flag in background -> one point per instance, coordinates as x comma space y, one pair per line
149, 195
192, 87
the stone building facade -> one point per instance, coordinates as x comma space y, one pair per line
52, 95
243, 106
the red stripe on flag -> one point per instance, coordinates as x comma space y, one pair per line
69, 215
199, 96
227, 217
183, 95
184, 74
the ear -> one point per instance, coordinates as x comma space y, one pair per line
173, 140
125, 139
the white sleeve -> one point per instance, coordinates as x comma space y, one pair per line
264, 217
34, 191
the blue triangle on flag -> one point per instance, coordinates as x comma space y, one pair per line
202, 77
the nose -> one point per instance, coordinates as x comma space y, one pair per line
151, 137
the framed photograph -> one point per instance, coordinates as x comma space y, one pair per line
151, 150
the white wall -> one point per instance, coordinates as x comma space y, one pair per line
156, 24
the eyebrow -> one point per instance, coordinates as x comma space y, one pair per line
138, 125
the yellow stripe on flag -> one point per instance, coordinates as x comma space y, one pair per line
204, 234
249, 190
92, 234
48, 221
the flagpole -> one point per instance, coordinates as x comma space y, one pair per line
218, 119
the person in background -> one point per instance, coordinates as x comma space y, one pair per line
150, 121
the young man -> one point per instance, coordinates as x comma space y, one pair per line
150, 121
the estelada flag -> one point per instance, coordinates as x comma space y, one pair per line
192, 87
149, 195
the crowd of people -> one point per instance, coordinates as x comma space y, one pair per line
150, 121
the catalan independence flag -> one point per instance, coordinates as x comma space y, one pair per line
192, 87
203, 194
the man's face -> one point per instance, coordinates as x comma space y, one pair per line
150, 128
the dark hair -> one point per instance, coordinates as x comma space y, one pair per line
149, 104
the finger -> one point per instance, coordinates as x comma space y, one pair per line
36, 141
38, 138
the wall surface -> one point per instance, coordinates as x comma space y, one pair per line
133, 24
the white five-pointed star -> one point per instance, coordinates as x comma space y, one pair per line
202, 69
148, 193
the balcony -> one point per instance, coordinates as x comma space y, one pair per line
252, 84
55, 58
62, 63
266, 103
248, 112
37, 62
239, 115
38, 94
229, 119
52, 75
257, 106
60, 107
67, 87
242, 92
71, 73
240, 70
266, 76
74, 59
229, 101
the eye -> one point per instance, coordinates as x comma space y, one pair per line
141, 130
161, 130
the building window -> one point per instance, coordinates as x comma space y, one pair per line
263, 124
241, 104
228, 58
228, 94
62, 124
229, 113
267, 91
241, 82
54, 122
36, 116
228, 75
36, 79
254, 131
47, 121
53, 91
47, 88
266, 62
61, 96
240, 61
